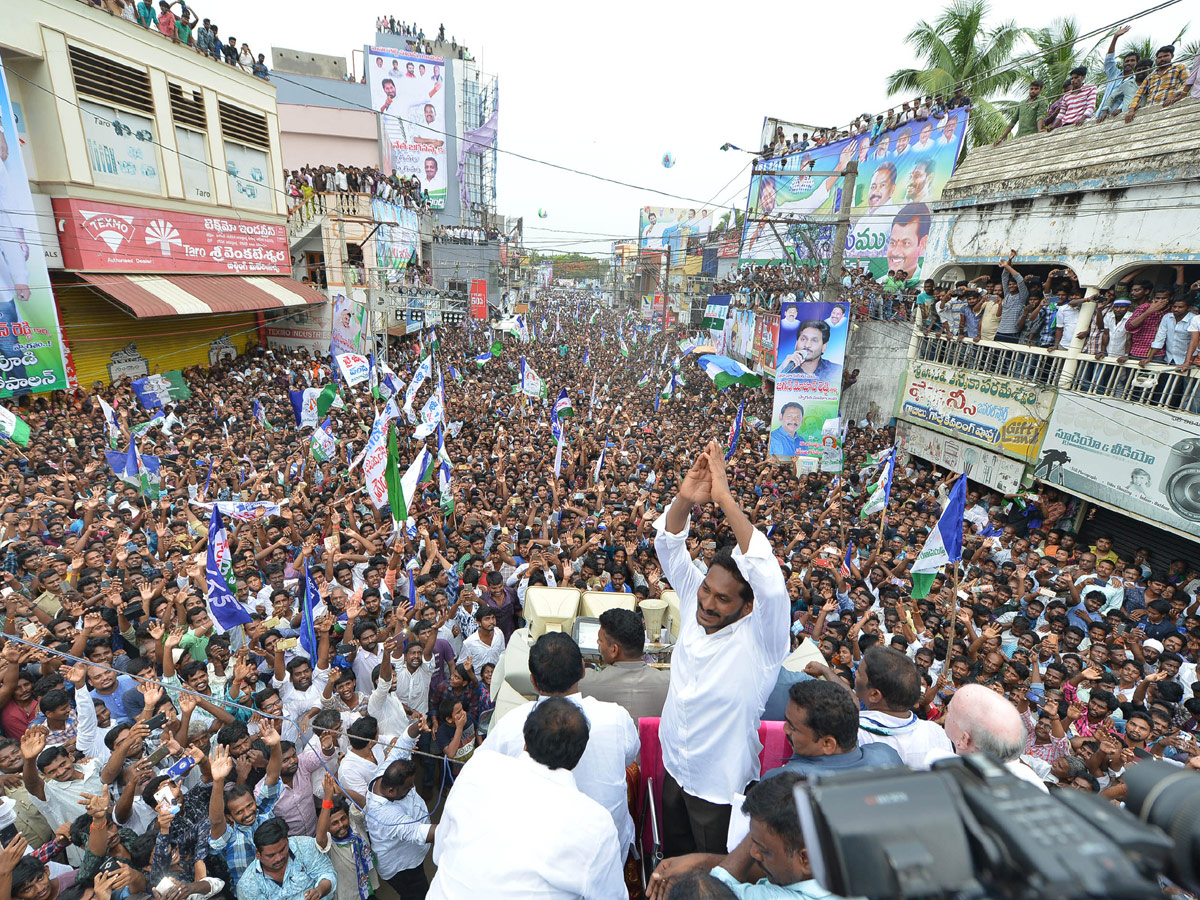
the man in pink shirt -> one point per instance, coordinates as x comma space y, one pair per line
1079, 101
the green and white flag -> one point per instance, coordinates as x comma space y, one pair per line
13, 428
880, 491
531, 383
624, 349
944, 544
324, 445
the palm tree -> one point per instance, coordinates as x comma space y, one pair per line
1058, 51
958, 51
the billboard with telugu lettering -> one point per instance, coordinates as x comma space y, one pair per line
479, 308
1151, 471
31, 347
409, 91
111, 237
1001, 414
900, 175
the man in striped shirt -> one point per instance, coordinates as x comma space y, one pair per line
1079, 101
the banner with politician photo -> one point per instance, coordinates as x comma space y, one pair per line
349, 326
409, 91
900, 174
808, 379
682, 231
31, 351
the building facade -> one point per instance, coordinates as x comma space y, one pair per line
153, 172
1116, 204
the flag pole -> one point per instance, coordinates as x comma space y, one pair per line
953, 619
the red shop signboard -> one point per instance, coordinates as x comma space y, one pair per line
108, 237
479, 299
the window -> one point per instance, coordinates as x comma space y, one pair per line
193, 162
121, 148
249, 176
105, 79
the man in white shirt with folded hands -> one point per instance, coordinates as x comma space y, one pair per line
732, 639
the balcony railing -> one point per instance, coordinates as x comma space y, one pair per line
346, 204
1154, 385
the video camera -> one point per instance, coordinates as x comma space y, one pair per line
969, 828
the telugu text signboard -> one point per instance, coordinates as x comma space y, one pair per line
31, 347
1151, 471
996, 471
109, 237
1003, 414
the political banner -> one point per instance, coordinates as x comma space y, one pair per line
354, 368
993, 469
900, 175
349, 325
409, 90
396, 238
808, 381
715, 312
766, 341
31, 347
1151, 472
682, 231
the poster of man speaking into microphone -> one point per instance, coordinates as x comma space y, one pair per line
808, 379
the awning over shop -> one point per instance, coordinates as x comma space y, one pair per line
148, 296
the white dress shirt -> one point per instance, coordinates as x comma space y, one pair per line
914, 739
1172, 337
720, 682
478, 654
613, 744
398, 830
546, 860
297, 703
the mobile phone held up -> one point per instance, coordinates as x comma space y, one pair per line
180, 768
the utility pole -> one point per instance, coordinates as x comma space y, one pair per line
833, 275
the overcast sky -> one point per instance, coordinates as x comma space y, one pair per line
609, 89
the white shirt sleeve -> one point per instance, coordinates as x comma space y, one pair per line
676, 563
772, 605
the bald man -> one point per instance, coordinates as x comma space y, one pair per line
979, 720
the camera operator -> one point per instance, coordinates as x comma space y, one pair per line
774, 846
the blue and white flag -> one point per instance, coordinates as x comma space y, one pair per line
390, 384
556, 428
944, 544
309, 600
424, 370
483, 358
735, 430
600, 462
111, 422
223, 606
587, 355
242, 511
845, 568
260, 416
445, 490
881, 491
131, 467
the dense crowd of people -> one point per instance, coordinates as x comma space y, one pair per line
150, 751
307, 187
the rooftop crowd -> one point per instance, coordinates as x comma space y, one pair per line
307, 186
418, 41
149, 752
1129, 83
179, 23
